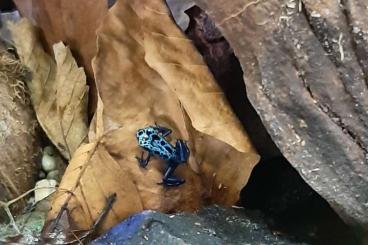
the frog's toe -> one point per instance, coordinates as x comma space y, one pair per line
172, 182
142, 162
182, 151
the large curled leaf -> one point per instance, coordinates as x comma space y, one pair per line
58, 90
72, 22
148, 71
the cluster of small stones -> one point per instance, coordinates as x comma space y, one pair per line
49, 164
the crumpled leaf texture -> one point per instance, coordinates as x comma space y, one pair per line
147, 71
72, 22
58, 89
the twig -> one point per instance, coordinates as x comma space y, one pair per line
6, 205
109, 202
242, 10
11, 217
341, 48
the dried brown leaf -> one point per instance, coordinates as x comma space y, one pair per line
148, 71
58, 89
72, 22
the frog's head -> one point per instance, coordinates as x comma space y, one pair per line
144, 134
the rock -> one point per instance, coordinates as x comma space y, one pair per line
4, 19
41, 175
48, 163
49, 150
225, 67
44, 188
54, 175
52, 163
306, 78
30, 225
210, 226
292, 207
178, 8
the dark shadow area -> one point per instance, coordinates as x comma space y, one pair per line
110, 3
6, 5
291, 207
226, 69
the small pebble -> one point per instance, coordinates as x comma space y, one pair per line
53, 175
291, 4
49, 150
48, 163
41, 175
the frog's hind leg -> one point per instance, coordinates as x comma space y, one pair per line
181, 151
181, 156
168, 179
143, 162
162, 130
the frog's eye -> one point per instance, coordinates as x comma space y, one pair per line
139, 133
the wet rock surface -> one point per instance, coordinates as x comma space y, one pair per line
275, 187
212, 225
305, 74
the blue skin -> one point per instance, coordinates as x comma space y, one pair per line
152, 139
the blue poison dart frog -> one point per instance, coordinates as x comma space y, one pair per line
153, 140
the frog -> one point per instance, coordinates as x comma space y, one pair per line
153, 140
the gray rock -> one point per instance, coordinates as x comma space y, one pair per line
54, 175
305, 75
178, 8
213, 225
4, 29
48, 163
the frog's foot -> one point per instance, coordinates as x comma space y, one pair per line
143, 162
182, 151
173, 181
169, 179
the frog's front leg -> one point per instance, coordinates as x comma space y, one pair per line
143, 162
